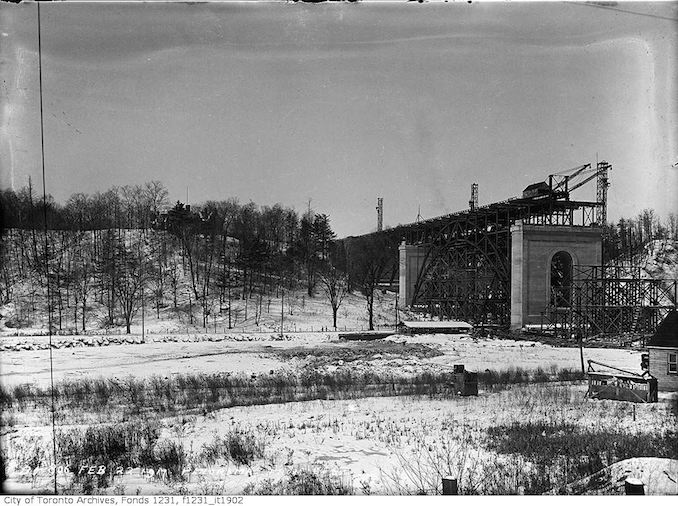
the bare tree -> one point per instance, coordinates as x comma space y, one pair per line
131, 278
82, 281
334, 286
308, 249
672, 226
369, 258
155, 196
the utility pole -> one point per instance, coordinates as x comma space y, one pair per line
580, 341
229, 301
396, 312
282, 312
143, 329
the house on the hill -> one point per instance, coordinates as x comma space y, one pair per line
663, 348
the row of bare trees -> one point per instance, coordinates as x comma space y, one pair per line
119, 207
120, 247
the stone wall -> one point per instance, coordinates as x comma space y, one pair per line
532, 248
411, 260
28, 343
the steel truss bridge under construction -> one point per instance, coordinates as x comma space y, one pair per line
465, 263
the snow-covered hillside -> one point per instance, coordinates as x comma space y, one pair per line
659, 259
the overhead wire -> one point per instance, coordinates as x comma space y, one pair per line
625, 11
46, 258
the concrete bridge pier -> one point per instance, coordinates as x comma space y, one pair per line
539, 255
411, 259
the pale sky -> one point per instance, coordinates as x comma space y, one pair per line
343, 103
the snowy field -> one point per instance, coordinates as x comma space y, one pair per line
361, 446
261, 354
372, 445
375, 445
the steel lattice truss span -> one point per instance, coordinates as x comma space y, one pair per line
466, 270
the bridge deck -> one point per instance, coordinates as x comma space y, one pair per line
546, 210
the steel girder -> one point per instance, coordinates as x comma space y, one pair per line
466, 273
466, 270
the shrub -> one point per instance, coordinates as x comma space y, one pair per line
5, 397
570, 374
518, 375
302, 482
112, 446
243, 447
540, 376
32, 455
238, 446
170, 456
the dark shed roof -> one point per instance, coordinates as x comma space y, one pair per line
666, 335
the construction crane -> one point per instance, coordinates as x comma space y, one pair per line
562, 183
473, 202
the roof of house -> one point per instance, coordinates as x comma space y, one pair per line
666, 335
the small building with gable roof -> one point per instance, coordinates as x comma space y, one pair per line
663, 351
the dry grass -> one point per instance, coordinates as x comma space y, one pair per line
515, 438
204, 393
303, 482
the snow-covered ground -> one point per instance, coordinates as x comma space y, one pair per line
377, 444
659, 259
208, 357
659, 477
296, 311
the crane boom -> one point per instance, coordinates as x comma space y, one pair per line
582, 183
